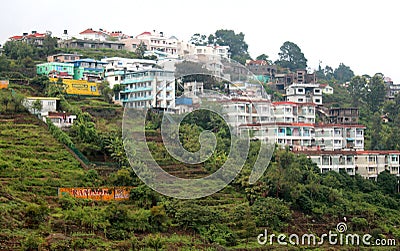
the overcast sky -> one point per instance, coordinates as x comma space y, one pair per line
361, 34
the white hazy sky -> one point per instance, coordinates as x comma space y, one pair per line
361, 34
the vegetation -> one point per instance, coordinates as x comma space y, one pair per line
291, 197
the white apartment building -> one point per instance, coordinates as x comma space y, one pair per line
148, 88
366, 163
154, 42
304, 93
332, 137
117, 67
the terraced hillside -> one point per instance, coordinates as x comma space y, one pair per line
32, 166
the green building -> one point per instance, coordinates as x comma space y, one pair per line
56, 69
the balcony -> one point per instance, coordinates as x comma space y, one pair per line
133, 99
139, 89
138, 80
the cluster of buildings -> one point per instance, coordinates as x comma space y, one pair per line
337, 143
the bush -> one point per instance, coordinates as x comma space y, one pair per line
218, 233
271, 212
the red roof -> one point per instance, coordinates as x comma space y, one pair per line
36, 35
90, 31
16, 37
144, 33
378, 152
284, 103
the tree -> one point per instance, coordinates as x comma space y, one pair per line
291, 57
343, 73
49, 45
358, 89
198, 39
264, 57
140, 50
387, 182
37, 106
18, 50
106, 91
375, 95
237, 46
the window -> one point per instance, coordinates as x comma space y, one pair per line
317, 100
394, 159
116, 78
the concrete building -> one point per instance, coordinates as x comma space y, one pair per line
154, 42
48, 105
148, 88
33, 38
63, 57
56, 70
326, 89
60, 119
263, 71
91, 44
117, 67
366, 163
343, 115
332, 137
88, 69
304, 93
392, 88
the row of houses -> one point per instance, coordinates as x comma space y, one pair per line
155, 43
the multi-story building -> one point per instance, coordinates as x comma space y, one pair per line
263, 71
304, 93
149, 88
343, 115
88, 69
90, 44
291, 112
392, 88
153, 41
366, 163
63, 57
56, 70
34, 38
117, 67
332, 137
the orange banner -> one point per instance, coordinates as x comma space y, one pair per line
3, 84
105, 193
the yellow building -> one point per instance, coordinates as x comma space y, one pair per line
79, 87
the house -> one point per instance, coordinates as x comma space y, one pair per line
148, 88
304, 93
63, 57
154, 42
60, 119
392, 88
90, 34
47, 105
91, 44
88, 69
56, 70
326, 89
343, 115
263, 71
34, 38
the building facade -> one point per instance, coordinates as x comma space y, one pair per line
153, 88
